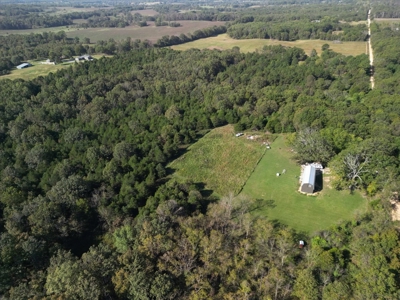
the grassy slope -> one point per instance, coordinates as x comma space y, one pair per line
220, 160
304, 213
223, 42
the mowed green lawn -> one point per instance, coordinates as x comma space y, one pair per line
219, 160
224, 42
34, 71
301, 212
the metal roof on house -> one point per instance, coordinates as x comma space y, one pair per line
308, 175
23, 65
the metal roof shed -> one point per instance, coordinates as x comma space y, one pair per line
24, 65
308, 179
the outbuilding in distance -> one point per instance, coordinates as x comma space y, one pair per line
23, 66
83, 58
308, 179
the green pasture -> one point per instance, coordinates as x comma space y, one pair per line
37, 69
224, 42
299, 211
219, 160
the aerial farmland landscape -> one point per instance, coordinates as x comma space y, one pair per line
200, 150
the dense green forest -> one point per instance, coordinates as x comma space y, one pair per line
88, 210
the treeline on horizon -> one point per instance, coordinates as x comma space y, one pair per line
88, 211
20, 17
17, 48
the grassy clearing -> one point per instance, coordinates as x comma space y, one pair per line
37, 69
304, 213
150, 32
220, 160
224, 42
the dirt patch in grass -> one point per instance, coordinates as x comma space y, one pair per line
395, 210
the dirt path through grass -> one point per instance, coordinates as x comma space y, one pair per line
370, 51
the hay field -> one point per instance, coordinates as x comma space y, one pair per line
223, 42
150, 32
219, 160
299, 211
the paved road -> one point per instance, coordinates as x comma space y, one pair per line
371, 53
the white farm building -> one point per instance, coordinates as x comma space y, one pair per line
308, 179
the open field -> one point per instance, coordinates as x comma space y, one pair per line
150, 32
36, 30
223, 42
34, 71
220, 160
354, 23
69, 9
80, 21
145, 12
388, 20
37, 69
299, 211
